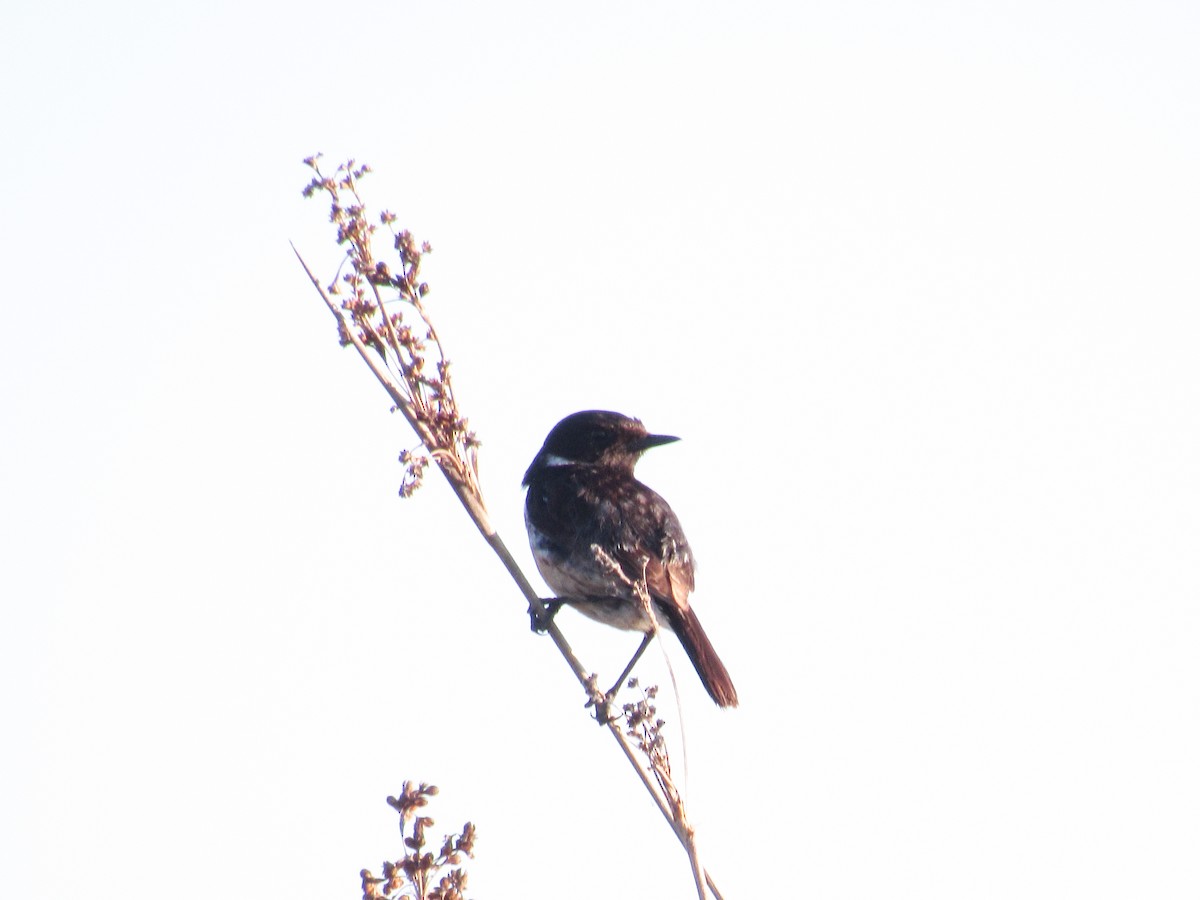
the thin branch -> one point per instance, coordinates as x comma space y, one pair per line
429, 406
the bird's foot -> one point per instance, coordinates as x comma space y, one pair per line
541, 617
601, 702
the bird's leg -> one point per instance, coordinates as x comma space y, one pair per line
612, 692
540, 619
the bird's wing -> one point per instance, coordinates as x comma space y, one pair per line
659, 551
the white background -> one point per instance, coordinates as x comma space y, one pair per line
916, 283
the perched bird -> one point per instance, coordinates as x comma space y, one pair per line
588, 517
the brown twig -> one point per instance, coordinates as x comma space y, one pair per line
399, 357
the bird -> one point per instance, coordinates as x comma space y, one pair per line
595, 531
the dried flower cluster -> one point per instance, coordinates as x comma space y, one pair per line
382, 308
645, 730
419, 873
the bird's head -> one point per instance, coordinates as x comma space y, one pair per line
597, 438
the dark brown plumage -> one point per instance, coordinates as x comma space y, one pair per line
583, 496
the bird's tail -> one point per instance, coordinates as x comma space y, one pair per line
703, 656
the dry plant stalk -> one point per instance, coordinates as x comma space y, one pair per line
645, 728
421, 874
381, 312
373, 315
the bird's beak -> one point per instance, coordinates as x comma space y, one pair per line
654, 440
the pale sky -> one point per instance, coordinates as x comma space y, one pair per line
917, 285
